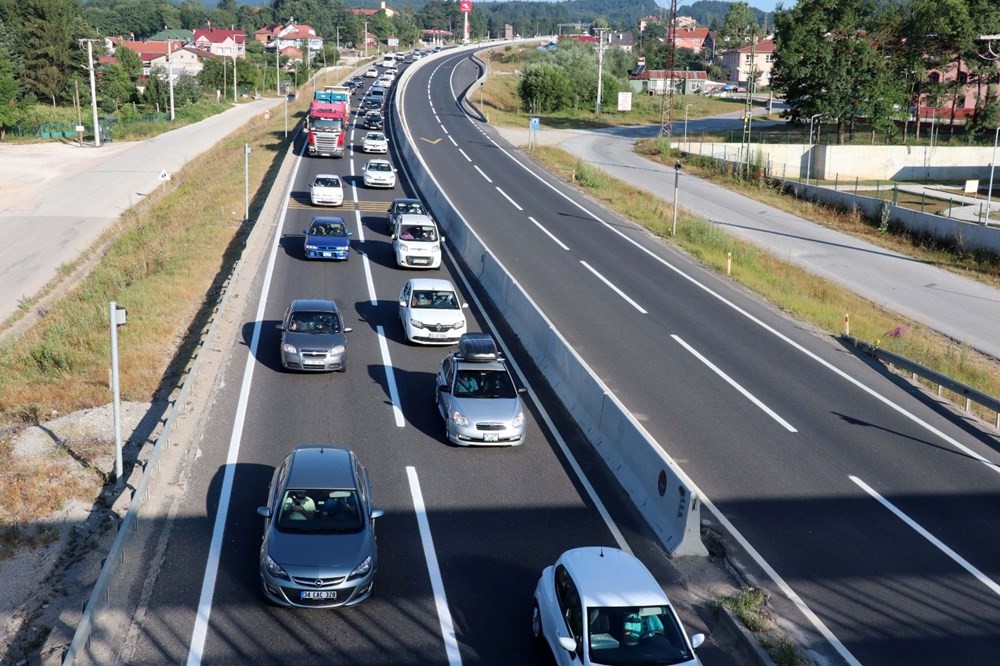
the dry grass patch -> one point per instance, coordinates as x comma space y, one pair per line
794, 290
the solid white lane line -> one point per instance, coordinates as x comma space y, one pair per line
732, 382
522, 378
434, 570
548, 233
507, 197
613, 287
961, 561
390, 375
482, 174
467, 158
200, 631
453, 142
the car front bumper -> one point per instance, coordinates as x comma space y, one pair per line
313, 361
379, 183
472, 436
288, 593
338, 253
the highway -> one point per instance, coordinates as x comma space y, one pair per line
466, 532
869, 503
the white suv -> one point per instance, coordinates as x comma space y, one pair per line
416, 242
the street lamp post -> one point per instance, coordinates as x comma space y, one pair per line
809, 155
677, 183
993, 164
688, 106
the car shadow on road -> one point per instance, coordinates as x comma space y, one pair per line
267, 346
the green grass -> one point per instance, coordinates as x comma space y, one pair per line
750, 606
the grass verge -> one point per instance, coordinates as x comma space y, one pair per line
794, 290
163, 261
749, 605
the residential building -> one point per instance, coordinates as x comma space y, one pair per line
756, 58
645, 20
300, 36
173, 35
228, 43
621, 40
659, 81
699, 40
959, 101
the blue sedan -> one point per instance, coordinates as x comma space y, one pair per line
327, 238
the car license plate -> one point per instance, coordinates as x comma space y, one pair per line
437, 336
313, 362
491, 437
421, 260
328, 254
318, 594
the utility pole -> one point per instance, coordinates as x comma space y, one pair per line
366, 40
170, 76
600, 69
277, 68
748, 106
234, 80
666, 118
93, 90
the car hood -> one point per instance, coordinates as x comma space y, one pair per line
333, 553
430, 316
502, 410
329, 242
313, 340
328, 191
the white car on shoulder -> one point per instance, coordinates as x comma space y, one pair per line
375, 142
326, 190
416, 241
600, 605
431, 312
379, 173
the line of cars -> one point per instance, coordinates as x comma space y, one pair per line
594, 605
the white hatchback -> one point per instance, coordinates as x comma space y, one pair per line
326, 190
372, 73
416, 242
431, 312
600, 605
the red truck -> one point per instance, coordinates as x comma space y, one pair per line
327, 125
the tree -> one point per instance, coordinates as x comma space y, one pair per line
11, 107
545, 87
157, 93
130, 61
51, 28
115, 87
740, 24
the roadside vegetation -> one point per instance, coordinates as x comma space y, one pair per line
163, 262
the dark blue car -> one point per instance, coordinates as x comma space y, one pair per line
327, 238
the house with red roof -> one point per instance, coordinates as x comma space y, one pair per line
228, 43
698, 40
659, 81
389, 11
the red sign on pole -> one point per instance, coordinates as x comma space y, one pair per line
465, 6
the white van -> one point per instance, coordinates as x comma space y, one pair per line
389, 60
416, 242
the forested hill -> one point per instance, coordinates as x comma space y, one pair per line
711, 13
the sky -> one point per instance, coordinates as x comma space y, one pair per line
765, 5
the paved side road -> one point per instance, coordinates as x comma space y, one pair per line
57, 199
960, 308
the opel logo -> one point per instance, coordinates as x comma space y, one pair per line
318, 582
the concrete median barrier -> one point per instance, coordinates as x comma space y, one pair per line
667, 499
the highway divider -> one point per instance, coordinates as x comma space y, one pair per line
666, 497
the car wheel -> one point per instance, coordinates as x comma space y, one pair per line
343, 367
536, 622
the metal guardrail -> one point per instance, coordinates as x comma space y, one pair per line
942, 381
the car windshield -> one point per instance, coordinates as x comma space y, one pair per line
411, 207
418, 232
317, 323
627, 636
335, 229
483, 384
379, 166
436, 300
326, 123
375, 136
323, 511
329, 181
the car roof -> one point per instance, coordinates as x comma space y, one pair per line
612, 577
320, 467
379, 161
406, 200
317, 304
328, 220
416, 218
431, 284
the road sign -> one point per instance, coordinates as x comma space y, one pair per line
465, 6
624, 101
267, 115
164, 175
535, 122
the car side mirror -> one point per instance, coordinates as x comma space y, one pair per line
348, 329
465, 306
402, 303
567, 643
697, 640
442, 239
444, 389
264, 511
280, 327
350, 233
377, 513
392, 236
522, 390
